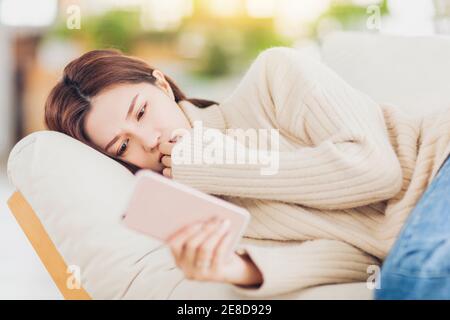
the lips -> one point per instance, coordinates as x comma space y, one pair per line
160, 156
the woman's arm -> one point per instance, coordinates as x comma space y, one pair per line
348, 162
297, 265
265, 268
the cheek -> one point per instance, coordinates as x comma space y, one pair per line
142, 159
165, 117
162, 117
174, 117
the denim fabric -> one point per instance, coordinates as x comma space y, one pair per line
418, 265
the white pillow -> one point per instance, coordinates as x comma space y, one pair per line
78, 194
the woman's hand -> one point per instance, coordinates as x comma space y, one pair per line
199, 251
166, 149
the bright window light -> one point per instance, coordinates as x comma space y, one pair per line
30, 13
260, 8
366, 2
163, 15
304, 10
224, 8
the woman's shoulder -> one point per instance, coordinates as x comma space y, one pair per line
276, 56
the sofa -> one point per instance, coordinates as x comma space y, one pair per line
68, 197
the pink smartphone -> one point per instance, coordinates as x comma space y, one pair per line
160, 206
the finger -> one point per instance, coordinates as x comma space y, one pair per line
222, 248
190, 249
175, 138
166, 147
206, 250
186, 230
167, 172
177, 240
167, 161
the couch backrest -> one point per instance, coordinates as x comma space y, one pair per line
411, 72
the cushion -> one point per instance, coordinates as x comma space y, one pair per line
78, 194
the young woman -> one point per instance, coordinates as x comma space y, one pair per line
350, 171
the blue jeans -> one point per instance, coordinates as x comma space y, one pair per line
418, 265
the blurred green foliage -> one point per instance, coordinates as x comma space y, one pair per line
230, 48
347, 14
113, 29
231, 42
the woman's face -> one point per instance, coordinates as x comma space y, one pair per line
130, 120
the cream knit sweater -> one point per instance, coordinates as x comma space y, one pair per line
350, 171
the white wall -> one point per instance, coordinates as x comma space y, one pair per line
7, 123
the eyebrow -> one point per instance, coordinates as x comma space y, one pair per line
130, 111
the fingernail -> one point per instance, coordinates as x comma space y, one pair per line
174, 139
215, 220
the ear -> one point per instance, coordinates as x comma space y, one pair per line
162, 83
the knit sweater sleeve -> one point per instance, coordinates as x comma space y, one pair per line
346, 161
298, 265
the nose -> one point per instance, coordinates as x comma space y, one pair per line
150, 141
154, 142
148, 138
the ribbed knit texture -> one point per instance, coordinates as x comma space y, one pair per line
350, 171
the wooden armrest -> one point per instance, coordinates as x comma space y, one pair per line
44, 246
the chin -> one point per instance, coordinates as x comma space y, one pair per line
156, 168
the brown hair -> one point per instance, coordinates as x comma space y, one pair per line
85, 77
